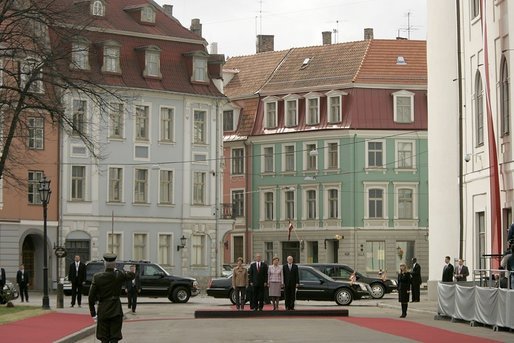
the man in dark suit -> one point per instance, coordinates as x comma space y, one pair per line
291, 282
416, 280
22, 279
447, 270
258, 277
2, 279
133, 289
77, 276
106, 290
461, 271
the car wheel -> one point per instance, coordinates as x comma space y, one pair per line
377, 291
180, 295
232, 297
344, 296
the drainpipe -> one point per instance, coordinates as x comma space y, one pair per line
461, 138
217, 186
354, 202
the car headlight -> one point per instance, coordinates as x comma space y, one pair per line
195, 284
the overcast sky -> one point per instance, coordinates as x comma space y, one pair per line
233, 24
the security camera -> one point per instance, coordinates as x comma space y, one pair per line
467, 158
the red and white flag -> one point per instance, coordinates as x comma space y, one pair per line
289, 228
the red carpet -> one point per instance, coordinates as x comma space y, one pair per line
47, 327
413, 330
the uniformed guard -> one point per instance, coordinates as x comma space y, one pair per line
105, 290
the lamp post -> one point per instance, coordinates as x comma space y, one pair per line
44, 193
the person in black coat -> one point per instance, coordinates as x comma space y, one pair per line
2, 279
447, 270
133, 289
416, 280
291, 282
258, 278
404, 286
77, 276
22, 279
461, 271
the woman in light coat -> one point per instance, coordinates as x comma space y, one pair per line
275, 282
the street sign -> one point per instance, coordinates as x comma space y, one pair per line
60, 252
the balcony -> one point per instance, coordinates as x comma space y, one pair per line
227, 211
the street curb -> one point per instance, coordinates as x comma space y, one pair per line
76, 336
410, 308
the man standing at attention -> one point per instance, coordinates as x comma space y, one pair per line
416, 280
22, 279
77, 276
291, 282
447, 270
258, 277
106, 289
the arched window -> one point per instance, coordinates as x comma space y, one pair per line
98, 8
479, 110
504, 98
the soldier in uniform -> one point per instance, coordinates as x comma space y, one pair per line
105, 290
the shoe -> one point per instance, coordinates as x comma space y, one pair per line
72, 305
80, 305
403, 316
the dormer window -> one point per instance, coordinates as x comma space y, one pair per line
147, 15
111, 60
98, 8
403, 106
334, 106
200, 69
291, 110
270, 112
152, 62
312, 108
80, 54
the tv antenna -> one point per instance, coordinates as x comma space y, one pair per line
409, 27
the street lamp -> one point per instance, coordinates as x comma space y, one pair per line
44, 194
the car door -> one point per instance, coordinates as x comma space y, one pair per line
341, 273
312, 286
153, 281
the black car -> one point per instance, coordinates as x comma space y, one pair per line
156, 282
336, 271
314, 285
10, 292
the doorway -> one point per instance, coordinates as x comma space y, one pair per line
27, 258
291, 249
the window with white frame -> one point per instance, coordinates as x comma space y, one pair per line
403, 107
34, 176
98, 8
375, 256
375, 203
312, 111
165, 249
78, 183
115, 184
475, 8
333, 203
333, 155
148, 14
237, 161
152, 62
405, 203
114, 244
111, 58
166, 187
116, 120
311, 157
140, 248
268, 251
504, 98
270, 115
142, 123
289, 202
199, 188
167, 124
80, 55
31, 74
269, 206
291, 112
480, 237
268, 160
289, 158
238, 203
79, 120
405, 155
334, 109
479, 110
375, 152
200, 69
36, 133
200, 118
238, 246
197, 250
311, 203
141, 186
228, 120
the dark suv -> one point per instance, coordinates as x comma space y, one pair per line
336, 271
155, 281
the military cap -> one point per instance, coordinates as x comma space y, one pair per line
110, 257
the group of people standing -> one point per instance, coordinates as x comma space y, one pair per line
22, 279
261, 276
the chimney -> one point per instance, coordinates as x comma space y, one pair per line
196, 27
368, 33
327, 37
168, 9
265, 43
214, 48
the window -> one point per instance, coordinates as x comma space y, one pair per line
269, 160
79, 117
333, 156
80, 55
148, 14
165, 250
311, 204
98, 8
405, 155
480, 239
78, 183
167, 124
197, 246
375, 256
115, 184
405, 203
200, 69
238, 203
228, 120
289, 165
479, 111
291, 112
334, 108
237, 161
33, 191
270, 115
312, 111
166, 187
311, 156
504, 98
375, 155
238, 247
116, 120
141, 186
142, 123
289, 204
111, 61
376, 203
269, 206
333, 203
140, 247
31, 74
404, 252
36, 133
268, 251
403, 107
199, 127
199, 186
114, 244
153, 62
475, 8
